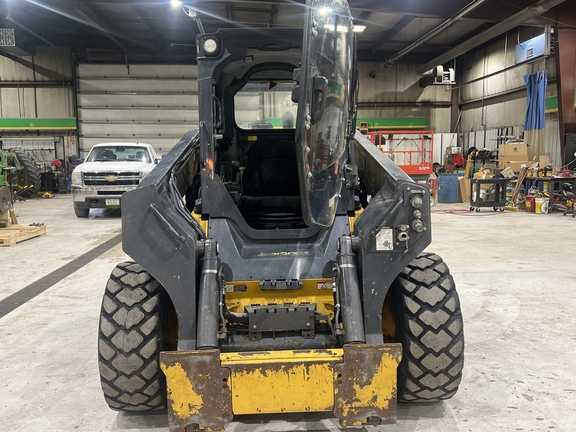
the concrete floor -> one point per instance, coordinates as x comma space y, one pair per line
515, 276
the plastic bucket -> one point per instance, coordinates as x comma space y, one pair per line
541, 205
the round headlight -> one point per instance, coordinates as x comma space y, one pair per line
210, 46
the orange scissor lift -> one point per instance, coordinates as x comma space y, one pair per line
411, 150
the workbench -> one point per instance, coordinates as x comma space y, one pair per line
555, 183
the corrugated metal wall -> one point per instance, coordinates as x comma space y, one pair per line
156, 104
399, 83
500, 101
28, 100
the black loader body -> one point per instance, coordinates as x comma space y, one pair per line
279, 263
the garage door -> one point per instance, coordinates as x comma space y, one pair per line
156, 104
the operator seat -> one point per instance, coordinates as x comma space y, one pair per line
270, 189
108, 154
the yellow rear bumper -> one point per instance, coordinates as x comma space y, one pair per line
357, 383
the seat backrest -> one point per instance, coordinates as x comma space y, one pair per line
271, 169
109, 154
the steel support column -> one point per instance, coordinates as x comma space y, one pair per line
566, 82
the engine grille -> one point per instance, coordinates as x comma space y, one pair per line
122, 178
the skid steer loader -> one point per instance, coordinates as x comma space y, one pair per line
278, 255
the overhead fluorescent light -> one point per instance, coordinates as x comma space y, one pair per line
175, 3
357, 28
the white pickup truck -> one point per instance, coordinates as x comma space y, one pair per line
110, 169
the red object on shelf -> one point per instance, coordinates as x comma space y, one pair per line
458, 159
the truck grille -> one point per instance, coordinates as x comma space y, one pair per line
122, 178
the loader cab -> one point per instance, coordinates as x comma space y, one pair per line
263, 126
275, 125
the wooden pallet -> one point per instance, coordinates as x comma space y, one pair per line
18, 233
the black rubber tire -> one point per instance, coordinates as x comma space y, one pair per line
32, 176
429, 326
131, 334
81, 212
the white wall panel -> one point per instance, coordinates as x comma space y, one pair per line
552, 140
137, 100
91, 70
161, 144
134, 130
139, 115
152, 85
55, 102
151, 103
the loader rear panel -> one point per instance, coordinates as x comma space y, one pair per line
282, 381
240, 294
357, 383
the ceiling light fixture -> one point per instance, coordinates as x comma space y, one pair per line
358, 28
175, 3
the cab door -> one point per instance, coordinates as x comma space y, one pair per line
322, 124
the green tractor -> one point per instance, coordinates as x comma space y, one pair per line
18, 174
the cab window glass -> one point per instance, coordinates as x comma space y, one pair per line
265, 105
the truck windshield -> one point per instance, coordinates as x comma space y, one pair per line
265, 105
118, 153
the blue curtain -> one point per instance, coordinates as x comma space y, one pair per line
536, 103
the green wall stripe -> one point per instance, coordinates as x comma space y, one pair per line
67, 123
394, 122
378, 122
552, 103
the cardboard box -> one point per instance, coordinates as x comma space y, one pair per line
503, 160
463, 189
519, 151
508, 172
544, 160
484, 174
516, 164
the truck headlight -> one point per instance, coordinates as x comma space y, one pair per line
77, 178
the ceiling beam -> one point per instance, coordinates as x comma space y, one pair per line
392, 32
92, 19
142, 16
511, 22
362, 17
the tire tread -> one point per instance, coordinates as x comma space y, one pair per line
131, 335
430, 327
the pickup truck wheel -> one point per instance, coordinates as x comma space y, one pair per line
131, 334
429, 327
30, 174
81, 212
